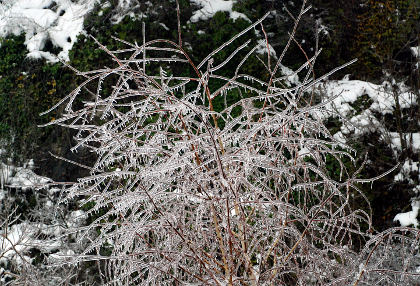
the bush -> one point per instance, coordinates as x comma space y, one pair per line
238, 195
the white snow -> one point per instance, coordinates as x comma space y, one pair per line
41, 22
15, 240
125, 8
409, 218
408, 167
304, 152
415, 51
382, 95
211, 7
292, 77
262, 48
383, 99
25, 179
412, 139
76, 218
322, 29
361, 124
19, 238
416, 190
20, 177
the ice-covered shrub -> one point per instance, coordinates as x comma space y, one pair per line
191, 187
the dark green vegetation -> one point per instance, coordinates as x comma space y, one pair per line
26, 88
379, 33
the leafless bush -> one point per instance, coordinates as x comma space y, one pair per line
185, 193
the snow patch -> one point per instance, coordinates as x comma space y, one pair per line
408, 167
20, 177
40, 22
262, 48
76, 218
290, 77
15, 240
415, 51
412, 139
383, 98
125, 8
382, 95
322, 29
26, 179
409, 218
211, 7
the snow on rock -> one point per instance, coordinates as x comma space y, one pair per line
292, 77
349, 91
360, 124
68, 26
211, 7
17, 239
60, 21
409, 218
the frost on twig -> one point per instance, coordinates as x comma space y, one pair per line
192, 187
